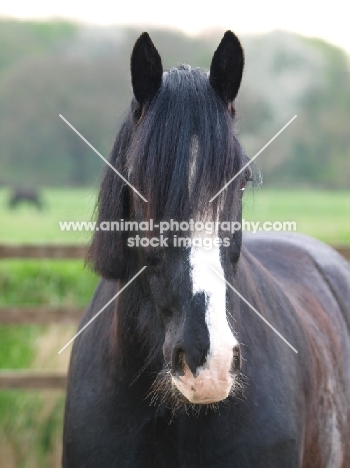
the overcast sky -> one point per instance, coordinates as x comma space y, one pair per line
327, 20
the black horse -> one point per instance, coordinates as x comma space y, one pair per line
25, 195
179, 371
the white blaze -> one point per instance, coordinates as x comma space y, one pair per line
213, 380
205, 280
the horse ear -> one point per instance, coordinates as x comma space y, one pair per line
146, 69
227, 67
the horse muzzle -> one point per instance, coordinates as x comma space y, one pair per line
213, 381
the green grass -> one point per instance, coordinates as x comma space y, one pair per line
318, 213
31, 422
50, 282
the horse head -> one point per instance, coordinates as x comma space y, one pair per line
177, 146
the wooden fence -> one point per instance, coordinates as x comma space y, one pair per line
10, 315
31, 379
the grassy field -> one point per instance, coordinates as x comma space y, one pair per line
26, 224
31, 422
322, 214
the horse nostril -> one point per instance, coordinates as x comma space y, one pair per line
178, 361
237, 359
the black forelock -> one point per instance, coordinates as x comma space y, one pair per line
159, 155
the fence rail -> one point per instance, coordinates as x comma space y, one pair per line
72, 251
53, 251
34, 315
31, 379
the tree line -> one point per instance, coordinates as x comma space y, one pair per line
82, 72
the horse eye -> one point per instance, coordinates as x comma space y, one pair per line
248, 176
154, 257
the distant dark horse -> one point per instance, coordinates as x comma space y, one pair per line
179, 371
20, 195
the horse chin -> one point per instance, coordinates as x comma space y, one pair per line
204, 388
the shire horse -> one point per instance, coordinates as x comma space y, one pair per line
179, 371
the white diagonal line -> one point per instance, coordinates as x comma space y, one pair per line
252, 159
254, 309
101, 310
103, 159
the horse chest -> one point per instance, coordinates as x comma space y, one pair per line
213, 441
